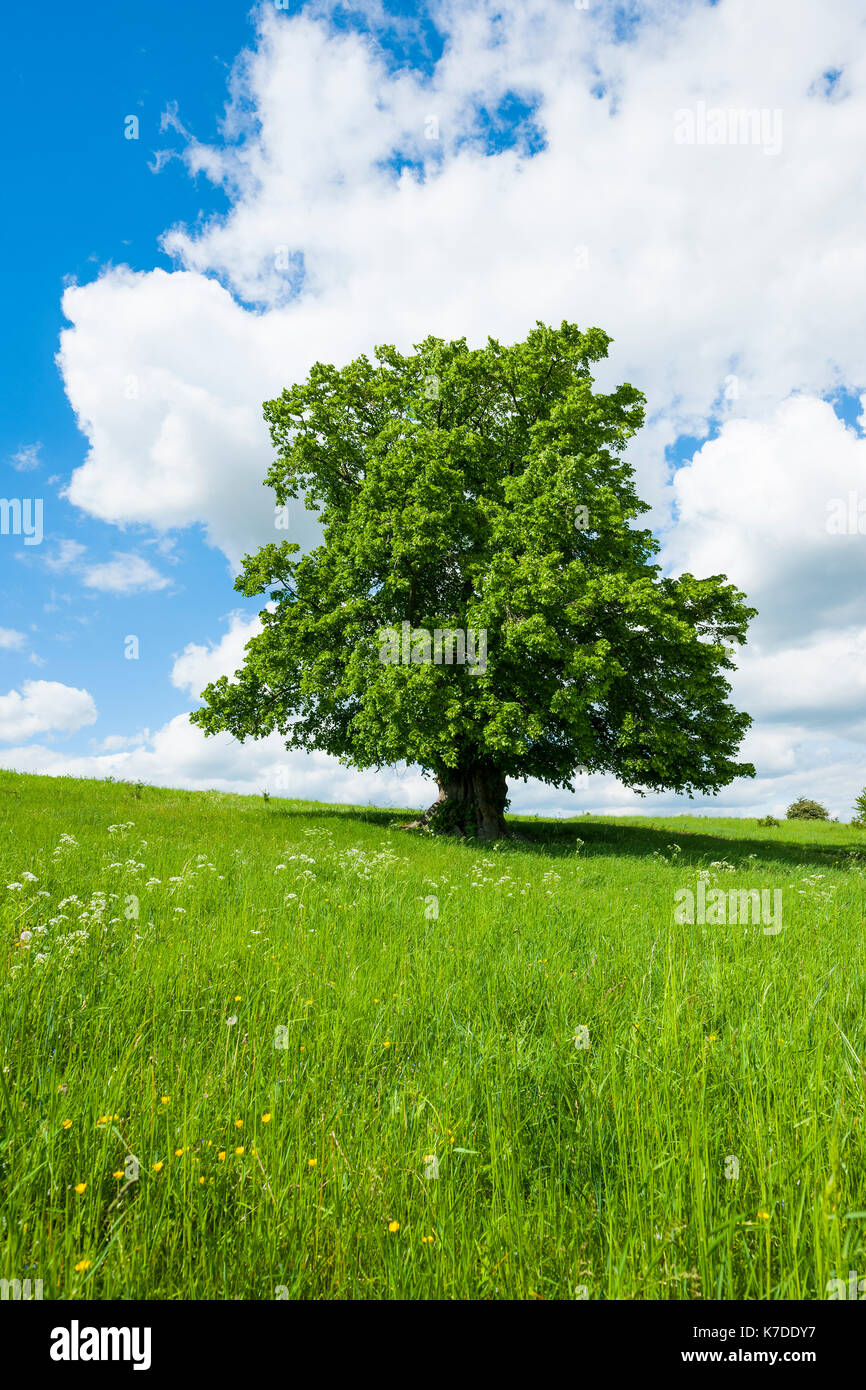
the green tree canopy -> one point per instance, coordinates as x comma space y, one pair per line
481, 492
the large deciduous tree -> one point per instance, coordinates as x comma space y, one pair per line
476, 501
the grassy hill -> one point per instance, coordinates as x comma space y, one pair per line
243, 1036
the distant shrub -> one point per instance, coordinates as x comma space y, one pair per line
860, 809
804, 809
769, 820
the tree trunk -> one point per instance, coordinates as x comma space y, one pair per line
471, 801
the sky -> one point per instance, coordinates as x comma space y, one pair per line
202, 204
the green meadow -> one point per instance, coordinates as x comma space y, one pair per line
266, 1049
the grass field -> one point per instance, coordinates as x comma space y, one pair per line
244, 1090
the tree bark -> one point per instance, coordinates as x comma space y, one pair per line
471, 801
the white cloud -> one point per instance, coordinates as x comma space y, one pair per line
731, 280
117, 743
190, 446
179, 755
757, 503
40, 706
197, 666
65, 556
26, 458
12, 641
125, 574
703, 261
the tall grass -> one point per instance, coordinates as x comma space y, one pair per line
283, 1050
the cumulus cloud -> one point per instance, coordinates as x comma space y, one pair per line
178, 755
124, 574
730, 275
767, 503
11, 640
689, 258
40, 706
198, 665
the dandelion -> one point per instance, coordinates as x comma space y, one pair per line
67, 1124
311, 1162
82, 1266
266, 1118
239, 1124
230, 1022
763, 1216
178, 1153
237, 998
393, 1227
221, 1156
426, 1240
118, 1174
386, 1043
164, 1100
157, 1167
201, 1180
81, 1188
239, 1149
26, 938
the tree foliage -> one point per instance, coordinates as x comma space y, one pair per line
482, 490
805, 809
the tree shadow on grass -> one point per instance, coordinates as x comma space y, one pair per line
597, 837
699, 848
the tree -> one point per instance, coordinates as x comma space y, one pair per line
805, 809
474, 505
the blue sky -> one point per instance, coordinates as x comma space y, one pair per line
85, 197
730, 289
